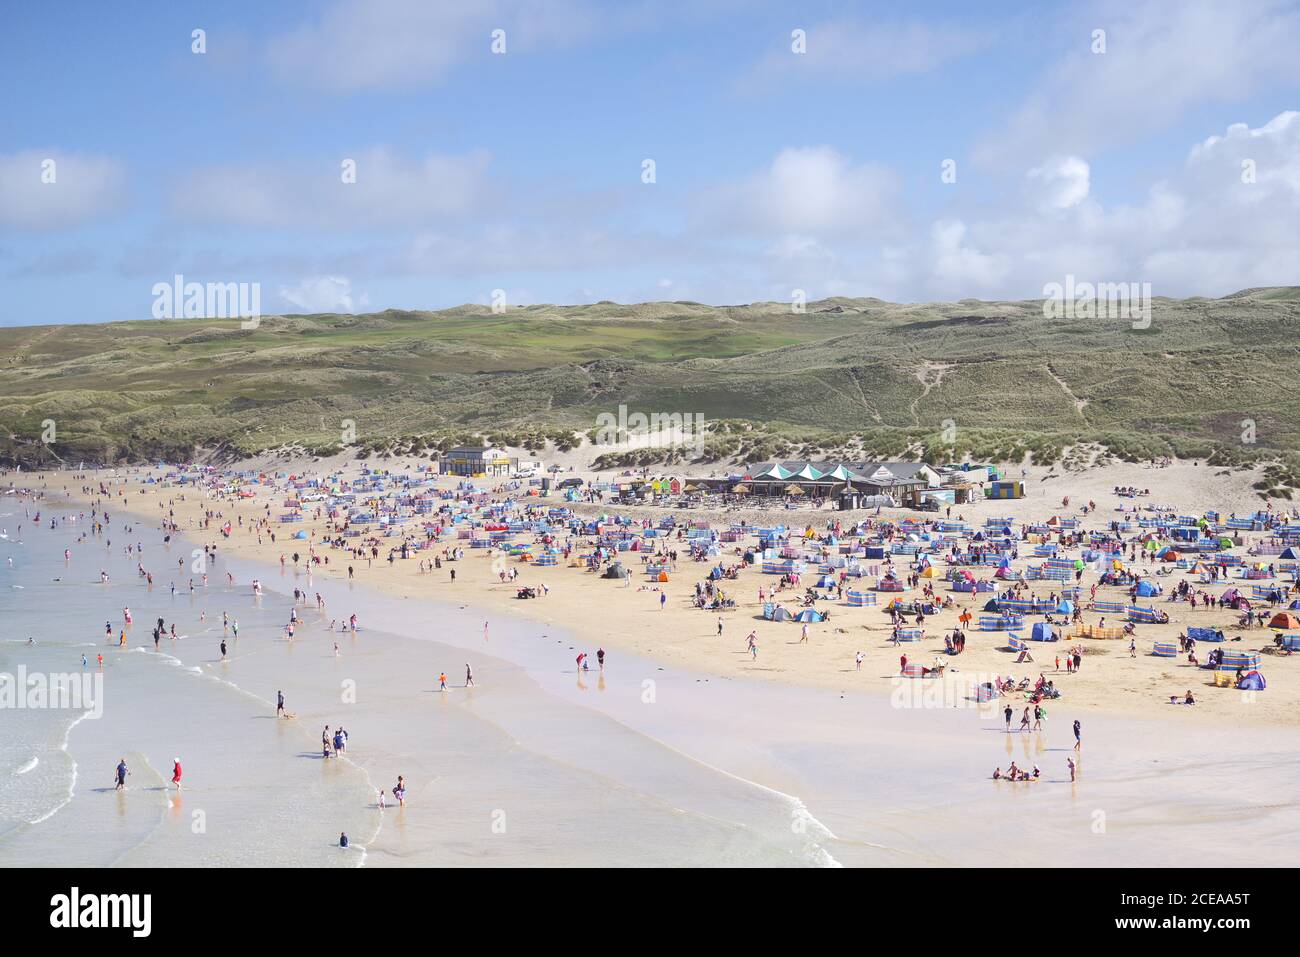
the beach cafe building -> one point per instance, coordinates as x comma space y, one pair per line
477, 460
903, 481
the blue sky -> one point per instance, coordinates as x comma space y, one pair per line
522, 171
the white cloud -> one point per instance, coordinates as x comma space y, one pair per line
873, 51
366, 45
324, 294
388, 190
1060, 183
1161, 59
811, 190
83, 187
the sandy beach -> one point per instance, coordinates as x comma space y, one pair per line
628, 616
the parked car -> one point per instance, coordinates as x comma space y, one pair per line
571, 483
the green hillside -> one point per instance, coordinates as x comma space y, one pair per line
883, 375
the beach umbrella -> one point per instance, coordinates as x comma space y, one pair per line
793, 490
741, 489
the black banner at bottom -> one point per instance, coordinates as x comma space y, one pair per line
291, 907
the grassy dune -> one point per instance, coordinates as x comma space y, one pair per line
846, 373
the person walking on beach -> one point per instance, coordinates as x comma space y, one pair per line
442, 681
399, 791
1070, 763
1006, 713
719, 626
1078, 738
663, 600
469, 676
122, 772
803, 636
1038, 717
600, 658
279, 704
176, 773
1132, 648
857, 661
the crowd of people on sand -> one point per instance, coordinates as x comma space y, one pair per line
711, 595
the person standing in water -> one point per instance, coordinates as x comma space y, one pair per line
279, 704
176, 773
1078, 739
469, 676
223, 649
122, 772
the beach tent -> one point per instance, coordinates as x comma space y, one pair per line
1042, 632
1291, 552
776, 613
1147, 589
1252, 681
1285, 619
662, 577
616, 570
809, 614
1065, 608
